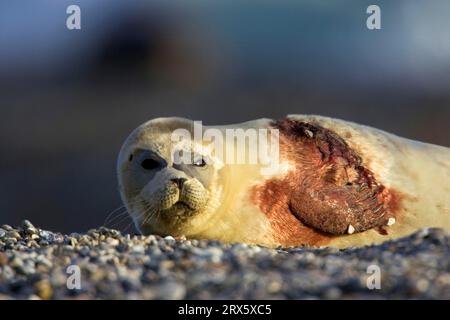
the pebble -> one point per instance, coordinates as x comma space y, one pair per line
139, 249
28, 227
3, 259
16, 262
422, 285
34, 262
333, 293
170, 240
43, 289
13, 234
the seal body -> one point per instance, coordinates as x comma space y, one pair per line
335, 183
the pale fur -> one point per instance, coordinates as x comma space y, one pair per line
419, 171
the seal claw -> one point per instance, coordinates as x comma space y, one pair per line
350, 229
391, 221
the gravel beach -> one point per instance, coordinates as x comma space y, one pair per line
34, 265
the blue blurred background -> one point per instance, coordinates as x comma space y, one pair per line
68, 98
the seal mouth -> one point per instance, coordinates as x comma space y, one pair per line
179, 208
169, 220
182, 204
168, 209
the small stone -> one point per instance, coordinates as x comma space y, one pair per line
422, 285
10, 241
16, 263
240, 246
57, 238
7, 227
151, 239
45, 235
167, 264
350, 229
444, 279
170, 240
331, 250
2, 233
28, 227
68, 248
26, 224
332, 293
43, 243
32, 244
171, 291
3, 259
72, 241
44, 261
215, 254
113, 242
274, 287
75, 235
43, 289
139, 249
13, 234
27, 268
85, 240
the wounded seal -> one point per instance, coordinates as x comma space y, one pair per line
336, 183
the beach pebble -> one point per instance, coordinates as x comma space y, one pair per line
36, 264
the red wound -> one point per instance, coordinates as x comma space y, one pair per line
330, 190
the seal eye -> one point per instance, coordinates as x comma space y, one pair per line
149, 164
200, 163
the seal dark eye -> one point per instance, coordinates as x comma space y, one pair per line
149, 164
200, 162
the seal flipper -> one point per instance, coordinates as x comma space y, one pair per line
334, 209
333, 192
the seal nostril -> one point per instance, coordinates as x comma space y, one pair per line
179, 181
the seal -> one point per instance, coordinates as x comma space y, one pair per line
335, 183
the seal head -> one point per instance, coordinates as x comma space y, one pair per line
163, 196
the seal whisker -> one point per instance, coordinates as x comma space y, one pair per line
116, 225
116, 216
112, 213
116, 213
128, 226
149, 212
120, 217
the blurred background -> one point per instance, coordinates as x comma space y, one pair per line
68, 98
